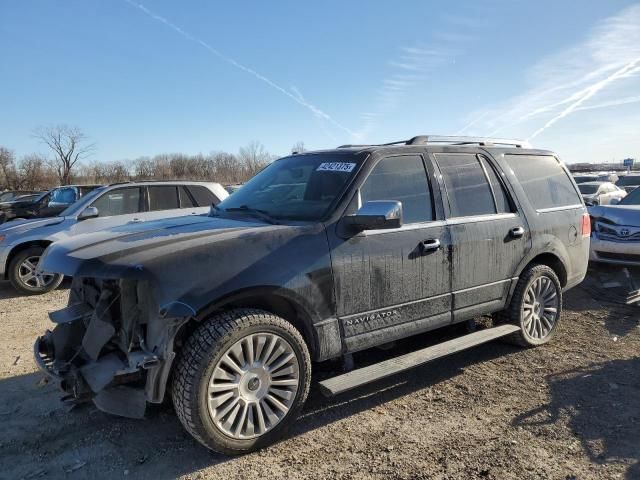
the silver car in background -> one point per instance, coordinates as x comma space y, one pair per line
22, 242
615, 234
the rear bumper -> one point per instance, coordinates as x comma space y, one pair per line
620, 253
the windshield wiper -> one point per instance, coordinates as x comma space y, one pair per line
262, 214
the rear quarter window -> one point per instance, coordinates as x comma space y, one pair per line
544, 181
203, 196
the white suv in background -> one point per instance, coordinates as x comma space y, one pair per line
22, 242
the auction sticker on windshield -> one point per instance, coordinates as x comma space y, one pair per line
335, 167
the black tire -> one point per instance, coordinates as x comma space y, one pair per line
205, 347
515, 312
19, 284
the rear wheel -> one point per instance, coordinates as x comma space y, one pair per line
24, 274
535, 307
240, 381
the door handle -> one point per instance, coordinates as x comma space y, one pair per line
430, 245
516, 232
137, 220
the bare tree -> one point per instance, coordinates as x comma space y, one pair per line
34, 173
8, 175
254, 157
298, 147
69, 146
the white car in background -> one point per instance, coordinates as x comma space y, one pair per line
601, 193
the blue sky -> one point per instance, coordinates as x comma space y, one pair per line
149, 77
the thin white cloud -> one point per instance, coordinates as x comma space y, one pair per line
317, 112
413, 65
590, 92
604, 66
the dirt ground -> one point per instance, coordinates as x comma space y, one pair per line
569, 410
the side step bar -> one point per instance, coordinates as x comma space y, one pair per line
386, 368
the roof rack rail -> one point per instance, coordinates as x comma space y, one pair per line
465, 140
451, 140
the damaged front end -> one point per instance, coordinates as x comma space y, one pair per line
112, 344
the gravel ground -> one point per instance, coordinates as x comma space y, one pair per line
569, 410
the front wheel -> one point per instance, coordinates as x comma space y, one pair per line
25, 277
535, 307
240, 380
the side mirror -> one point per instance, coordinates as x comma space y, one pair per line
614, 201
89, 212
376, 215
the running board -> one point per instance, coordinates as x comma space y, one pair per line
386, 368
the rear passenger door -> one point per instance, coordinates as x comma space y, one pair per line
489, 235
387, 285
115, 207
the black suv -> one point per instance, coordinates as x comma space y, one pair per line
47, 204
320, 255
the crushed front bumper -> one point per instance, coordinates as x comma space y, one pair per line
624, 252
108, 382
44, 358
109, 346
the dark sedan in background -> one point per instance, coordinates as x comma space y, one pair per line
47, 204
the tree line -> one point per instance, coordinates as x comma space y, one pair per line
69, 162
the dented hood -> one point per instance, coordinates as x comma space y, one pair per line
133, 248
618, 214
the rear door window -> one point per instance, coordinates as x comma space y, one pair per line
403, 179
544, 181
503, 204
185, 198
163, 197
119, 201
203, 196
467, 185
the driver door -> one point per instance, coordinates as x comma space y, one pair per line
115, 207
387, 284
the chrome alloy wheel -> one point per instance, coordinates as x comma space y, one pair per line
540, 308
29, 275
253, 385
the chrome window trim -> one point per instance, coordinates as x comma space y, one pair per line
407, 227
559, 209
480, 218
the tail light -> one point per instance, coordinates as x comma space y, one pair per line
585, 227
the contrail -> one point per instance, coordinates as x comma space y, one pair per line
312, 108
611, 103
588, 93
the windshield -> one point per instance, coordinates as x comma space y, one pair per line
628, 180
588, 189
302, 187
632, 199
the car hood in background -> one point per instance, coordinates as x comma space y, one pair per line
619, 214
16, 227
17, 203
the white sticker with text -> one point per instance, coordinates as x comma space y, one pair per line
335, 167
